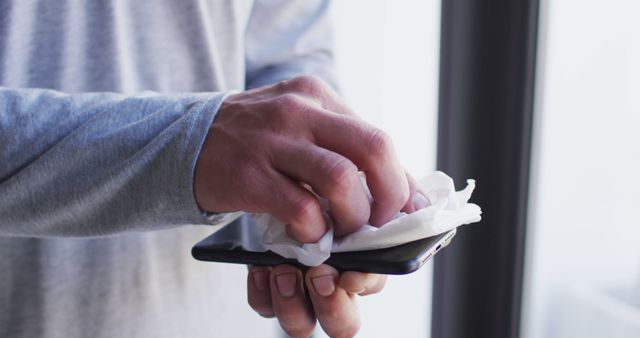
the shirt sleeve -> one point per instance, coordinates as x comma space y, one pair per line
288, 38
99, 163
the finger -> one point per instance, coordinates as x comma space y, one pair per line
417, 199
259, 292
289, 301
362, 283
372, 151
294, 206
369, 148
331, 176
336, 309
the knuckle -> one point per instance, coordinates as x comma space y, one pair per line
306, 83
284, 111
340, 175
302, 210
286, 102
287, 107
379, 142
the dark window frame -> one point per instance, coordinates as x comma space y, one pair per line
486, 94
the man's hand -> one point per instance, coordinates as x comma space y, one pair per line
322, 293
265, 147
265, 143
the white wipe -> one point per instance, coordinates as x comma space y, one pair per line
448, 210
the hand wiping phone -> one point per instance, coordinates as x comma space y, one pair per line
448, 210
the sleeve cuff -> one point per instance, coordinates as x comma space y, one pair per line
221, 219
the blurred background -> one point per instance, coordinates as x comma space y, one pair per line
581, 274
583, 244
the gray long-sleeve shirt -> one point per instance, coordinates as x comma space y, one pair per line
104, 106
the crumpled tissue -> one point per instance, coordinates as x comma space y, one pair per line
448, 209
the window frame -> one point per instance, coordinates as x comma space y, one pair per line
486, 96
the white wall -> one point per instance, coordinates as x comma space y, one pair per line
387, 54
585, 228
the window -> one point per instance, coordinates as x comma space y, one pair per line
583, 274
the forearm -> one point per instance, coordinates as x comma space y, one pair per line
100, 163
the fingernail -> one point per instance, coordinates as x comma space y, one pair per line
261, 280
419, 201
286, 283
324, 285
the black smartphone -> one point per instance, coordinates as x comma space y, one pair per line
225, 246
